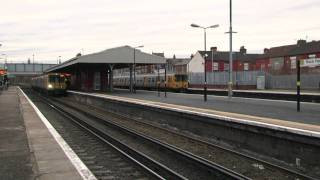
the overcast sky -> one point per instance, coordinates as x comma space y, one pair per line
52, 28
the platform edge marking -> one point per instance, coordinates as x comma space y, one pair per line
225, 118
82, 169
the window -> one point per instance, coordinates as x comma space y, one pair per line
312, 56
246, 66
226, 66
293, 62
215, 66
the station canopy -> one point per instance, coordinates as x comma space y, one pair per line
119, 57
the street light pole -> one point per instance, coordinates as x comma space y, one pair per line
205, 66
205, 56
134, 67
230, 54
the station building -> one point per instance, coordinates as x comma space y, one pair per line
94, 72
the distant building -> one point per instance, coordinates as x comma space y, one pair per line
178, 65
282, 59
219, 60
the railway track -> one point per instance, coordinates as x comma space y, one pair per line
242, 163
163, 160
102, 157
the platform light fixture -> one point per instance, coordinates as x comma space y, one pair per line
205, 55
134, 66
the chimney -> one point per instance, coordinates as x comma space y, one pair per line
191, 56
243, 50
301, 42
266, 50
174, 56
214, 49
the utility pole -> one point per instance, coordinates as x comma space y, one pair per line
298, 84
165, 80
230, 55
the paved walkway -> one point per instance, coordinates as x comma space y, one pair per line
27, 149
15, 157
275, 91
275, 109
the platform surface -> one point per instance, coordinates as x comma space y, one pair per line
273, 109
267, 91
15, 156
27, 148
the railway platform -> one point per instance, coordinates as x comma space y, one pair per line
30, 148
277, 94
271, 129
279, 112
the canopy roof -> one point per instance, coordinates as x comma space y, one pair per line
119, 56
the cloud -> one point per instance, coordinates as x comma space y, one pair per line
52, 28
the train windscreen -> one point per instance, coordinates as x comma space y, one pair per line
56, 79
181, 77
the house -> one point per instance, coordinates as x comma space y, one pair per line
282, 59
219, 61
178, 65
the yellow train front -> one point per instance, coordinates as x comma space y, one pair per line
51, 84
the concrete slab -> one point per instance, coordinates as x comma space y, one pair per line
15, 155
54, 158
253, 112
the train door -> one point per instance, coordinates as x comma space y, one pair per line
97, 81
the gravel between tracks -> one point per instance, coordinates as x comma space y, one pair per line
250, 168
102, 160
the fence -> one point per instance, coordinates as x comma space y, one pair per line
222, 78
249, 78
308, 81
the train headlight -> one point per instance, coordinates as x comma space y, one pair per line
50, 86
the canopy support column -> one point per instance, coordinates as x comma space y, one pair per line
131, 79
111, 77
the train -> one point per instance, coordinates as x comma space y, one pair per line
51, 83
175, 82
3, 79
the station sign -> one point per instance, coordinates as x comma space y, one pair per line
311, 62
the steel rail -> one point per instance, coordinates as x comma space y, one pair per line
252, 158
199, 161
153, 167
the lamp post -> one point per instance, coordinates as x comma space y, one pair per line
59, 60
230, 53
134, 67
205, 56
6, 57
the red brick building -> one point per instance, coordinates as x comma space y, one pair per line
277, 60
282, 59
219, 61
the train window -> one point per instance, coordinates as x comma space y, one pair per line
178, 77
53, 78
184, 77
56, 78
181, 77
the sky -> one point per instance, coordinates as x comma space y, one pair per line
52, 28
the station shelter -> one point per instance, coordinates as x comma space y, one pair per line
94, 72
